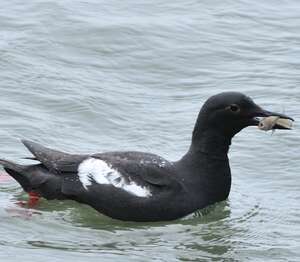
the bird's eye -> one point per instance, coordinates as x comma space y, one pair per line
234, 108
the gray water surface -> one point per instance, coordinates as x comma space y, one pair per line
93, 76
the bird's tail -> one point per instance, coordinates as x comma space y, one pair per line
35, 178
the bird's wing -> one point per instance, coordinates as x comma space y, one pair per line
144, 167
55, 161
134, 173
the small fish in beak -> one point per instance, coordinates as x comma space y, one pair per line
274, 122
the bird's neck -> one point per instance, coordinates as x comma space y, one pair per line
210, 142
208, 166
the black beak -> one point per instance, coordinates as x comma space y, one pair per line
261, 113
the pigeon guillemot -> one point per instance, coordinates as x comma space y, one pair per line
140, 186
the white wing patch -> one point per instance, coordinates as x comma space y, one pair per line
97, 170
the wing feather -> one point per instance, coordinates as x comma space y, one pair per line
54, 160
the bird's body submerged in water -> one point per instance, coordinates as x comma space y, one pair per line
140, 186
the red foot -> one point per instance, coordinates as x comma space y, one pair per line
33, 196
32, 201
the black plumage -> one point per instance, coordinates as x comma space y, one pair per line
168, 190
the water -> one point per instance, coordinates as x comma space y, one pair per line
91, 76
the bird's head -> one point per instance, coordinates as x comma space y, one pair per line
229, 112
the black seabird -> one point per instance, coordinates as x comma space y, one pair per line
140, 186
